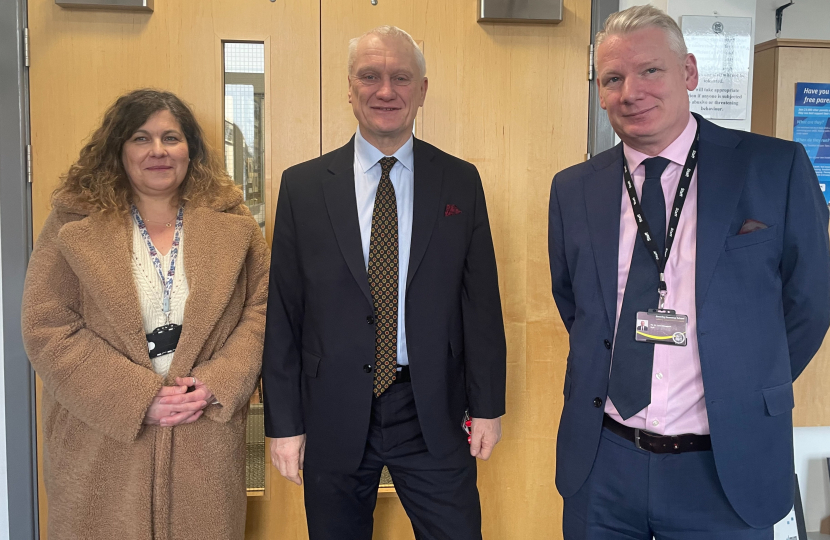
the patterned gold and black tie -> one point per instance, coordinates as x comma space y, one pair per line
383, 278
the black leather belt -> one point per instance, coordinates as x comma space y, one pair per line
403, 375
658, 444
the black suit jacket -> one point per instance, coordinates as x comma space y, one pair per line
320, 340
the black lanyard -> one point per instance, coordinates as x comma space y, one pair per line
679, 199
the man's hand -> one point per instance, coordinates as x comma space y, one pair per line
486, 432
287, 455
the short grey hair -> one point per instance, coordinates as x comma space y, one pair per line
389, 31
639, 18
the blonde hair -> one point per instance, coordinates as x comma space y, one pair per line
389, 31
98, 177
639, 18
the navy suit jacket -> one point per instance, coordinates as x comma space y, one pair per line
317, 340
762, 298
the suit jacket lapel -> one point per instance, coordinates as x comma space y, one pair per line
98, 248
426, 204
341, 202
720, 181
603, 197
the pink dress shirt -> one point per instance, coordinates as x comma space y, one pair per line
677, 400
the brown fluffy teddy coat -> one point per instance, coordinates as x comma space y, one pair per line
107, 475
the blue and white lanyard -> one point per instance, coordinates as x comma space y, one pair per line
174, 251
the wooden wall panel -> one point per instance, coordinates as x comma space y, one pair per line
513, 100
763, 92
804, 64
779, 65
797, 64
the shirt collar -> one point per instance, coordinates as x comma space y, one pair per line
677, 151
368, 156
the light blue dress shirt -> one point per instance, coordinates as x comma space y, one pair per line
366, 179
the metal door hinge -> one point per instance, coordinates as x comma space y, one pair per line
591, 62
29, 163
26, 47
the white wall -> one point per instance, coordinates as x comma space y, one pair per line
806, 19
4, 488
722, 8
625, 4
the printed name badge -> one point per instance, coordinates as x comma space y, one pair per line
662, 326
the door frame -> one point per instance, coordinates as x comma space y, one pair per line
15, 248
600, 132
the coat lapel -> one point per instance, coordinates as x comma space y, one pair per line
214, 245
341, 202
98, 248
603, 197
720, 180
426, 205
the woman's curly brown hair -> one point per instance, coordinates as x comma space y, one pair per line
99, 179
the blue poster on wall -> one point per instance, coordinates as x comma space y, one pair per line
811, 127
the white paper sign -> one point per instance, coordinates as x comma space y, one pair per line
722, 48
787, 528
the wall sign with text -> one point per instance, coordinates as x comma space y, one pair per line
811, 127
722, 48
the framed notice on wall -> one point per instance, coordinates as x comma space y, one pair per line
722, 46
811, 127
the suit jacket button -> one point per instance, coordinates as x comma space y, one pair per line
597, 402
367, 368
370, 320
607, 344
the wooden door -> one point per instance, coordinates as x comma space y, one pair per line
86, 59
513, 100
510, 98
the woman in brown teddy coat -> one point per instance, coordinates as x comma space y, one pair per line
143, 314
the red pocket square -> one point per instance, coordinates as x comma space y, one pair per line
451, 210
751, 225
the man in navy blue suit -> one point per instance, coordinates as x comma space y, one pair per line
691, 267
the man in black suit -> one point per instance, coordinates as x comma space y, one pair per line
384, 319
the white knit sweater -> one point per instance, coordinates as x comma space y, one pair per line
151, 291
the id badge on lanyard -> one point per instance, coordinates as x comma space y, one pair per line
662, 326
164, 339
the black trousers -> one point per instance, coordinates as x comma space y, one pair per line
439, 495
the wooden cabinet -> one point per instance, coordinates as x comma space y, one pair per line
779, 65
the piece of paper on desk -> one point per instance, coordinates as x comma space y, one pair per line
787, 528
792, 527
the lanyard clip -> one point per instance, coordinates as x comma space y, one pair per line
663, 290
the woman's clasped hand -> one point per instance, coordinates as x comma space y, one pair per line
180, 404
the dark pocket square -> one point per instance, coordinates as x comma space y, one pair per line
751, 225
451, 210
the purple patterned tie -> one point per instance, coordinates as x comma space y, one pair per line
383, 278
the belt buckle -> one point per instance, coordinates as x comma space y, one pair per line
637, 439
